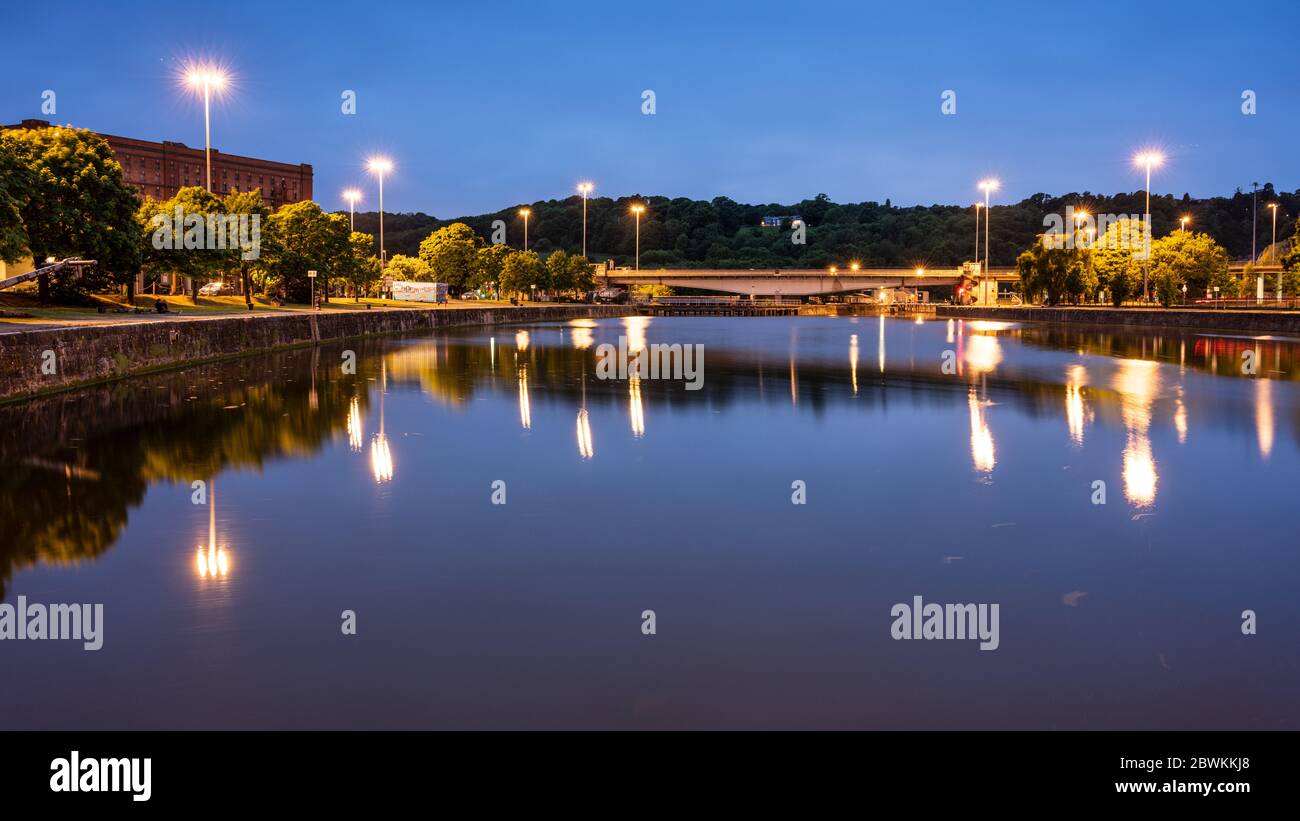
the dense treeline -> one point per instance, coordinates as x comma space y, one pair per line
725, 234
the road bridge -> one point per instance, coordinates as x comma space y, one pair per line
797, 282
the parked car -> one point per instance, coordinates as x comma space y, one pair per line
469, 295
213, 289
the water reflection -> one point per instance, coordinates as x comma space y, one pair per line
636, 412
983, 352
1264, 417
853, 361
355, 434
525, 409
582, 333
1138, 383
74, 466
585, 448
981, 438
635, 328
212, 561
1075, 412
381, 456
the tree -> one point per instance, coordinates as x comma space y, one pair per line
407, 269
187, 236
1118, 274
488, 265
558, 274
308, 239
249, 205
451, 254
582, 276
520, 272
15, 181
1052, 272
362, 266
1189, 258
76, 205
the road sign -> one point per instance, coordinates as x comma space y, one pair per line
311, 274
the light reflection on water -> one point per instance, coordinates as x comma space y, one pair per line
973, 486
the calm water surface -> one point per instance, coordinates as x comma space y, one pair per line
372, 492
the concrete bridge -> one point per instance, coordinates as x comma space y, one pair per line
796, 282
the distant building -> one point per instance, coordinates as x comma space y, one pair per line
777, 222
160, 169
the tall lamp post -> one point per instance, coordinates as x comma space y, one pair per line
525, 212
988, 186
1273, 250
379, 166
1183, 223
1254, 223
584, 188
352, 195
1148, 160
638, 209
1273, 246
978, 206
207, 79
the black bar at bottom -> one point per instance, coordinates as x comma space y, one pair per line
213, 770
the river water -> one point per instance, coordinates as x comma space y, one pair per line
955, 461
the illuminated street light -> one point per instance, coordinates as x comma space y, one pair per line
379, 166
525, 213
1273, 247
638, 209
352, 195
834, 271
988, 186
584, 188
1079, 216
207, 79
1183, 222
854, 266
1148, 160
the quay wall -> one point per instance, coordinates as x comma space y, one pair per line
1231, 321
55, 359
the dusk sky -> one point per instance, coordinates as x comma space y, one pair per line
482, 106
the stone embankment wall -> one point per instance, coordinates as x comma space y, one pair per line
1229, 321
37, 362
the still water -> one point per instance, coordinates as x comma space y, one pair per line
373, 492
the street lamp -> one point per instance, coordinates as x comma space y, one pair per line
379, 166
987, 186
1183, 222
206, 78
1148, 160
834, 271
1079, 216
1273, 247
584, 188
525, 212
352, 195
638, 209
978, 206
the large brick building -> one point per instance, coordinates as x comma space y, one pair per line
160, 169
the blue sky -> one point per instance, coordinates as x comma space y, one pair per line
484, 105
